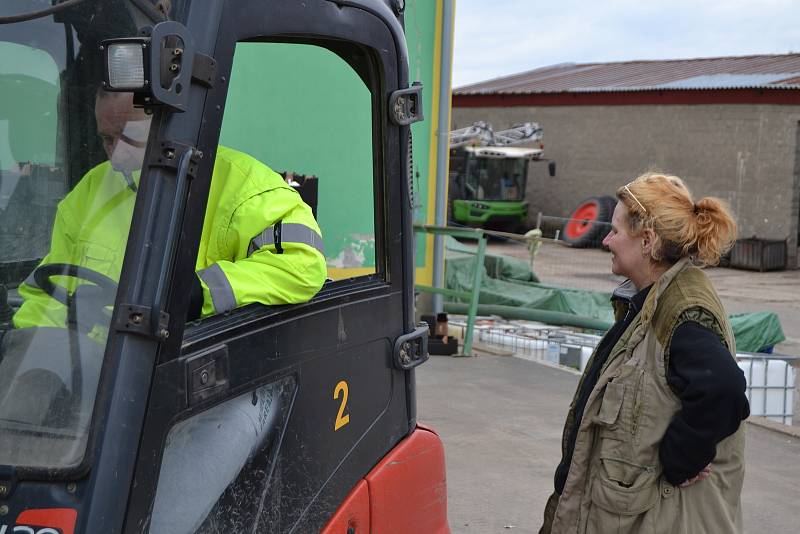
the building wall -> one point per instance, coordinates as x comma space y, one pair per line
744, 154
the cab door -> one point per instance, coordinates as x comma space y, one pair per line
262, 419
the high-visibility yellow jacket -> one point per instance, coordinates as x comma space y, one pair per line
239, 261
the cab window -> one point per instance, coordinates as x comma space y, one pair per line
28, 116
314, 126
65, 210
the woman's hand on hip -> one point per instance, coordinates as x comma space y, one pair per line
702, 475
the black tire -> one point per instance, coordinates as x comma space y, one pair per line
588, 223
612, 203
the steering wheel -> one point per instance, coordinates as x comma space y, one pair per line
103, 289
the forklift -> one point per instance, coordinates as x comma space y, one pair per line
126, 401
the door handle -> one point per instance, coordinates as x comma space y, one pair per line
206, 374
410, 350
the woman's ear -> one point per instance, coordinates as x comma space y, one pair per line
648, 241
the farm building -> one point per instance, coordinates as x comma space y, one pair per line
729, 126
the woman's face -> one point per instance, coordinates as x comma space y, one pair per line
627, 252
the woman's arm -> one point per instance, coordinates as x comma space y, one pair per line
711, 388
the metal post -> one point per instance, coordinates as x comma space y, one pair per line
476, 293
766, 390
442, 147
796, 408
785, 404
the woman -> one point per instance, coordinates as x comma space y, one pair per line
653, 441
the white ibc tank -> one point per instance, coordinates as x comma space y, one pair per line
770, 386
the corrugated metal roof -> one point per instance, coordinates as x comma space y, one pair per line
747, 72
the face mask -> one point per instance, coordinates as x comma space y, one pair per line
128, 154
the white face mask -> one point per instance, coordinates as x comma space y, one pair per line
128, 154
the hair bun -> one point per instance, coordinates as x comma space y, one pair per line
706, 204
715, 230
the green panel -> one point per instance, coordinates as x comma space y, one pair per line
420, 24
301, 108
316, 120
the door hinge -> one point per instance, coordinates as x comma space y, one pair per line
168, 153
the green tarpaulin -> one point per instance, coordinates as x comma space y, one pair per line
510, 281
756, 332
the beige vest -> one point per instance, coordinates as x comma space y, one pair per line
614, 483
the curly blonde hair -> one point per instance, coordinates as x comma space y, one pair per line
703, 230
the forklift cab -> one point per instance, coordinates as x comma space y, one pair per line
116, 414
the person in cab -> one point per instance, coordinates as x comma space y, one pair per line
260, 242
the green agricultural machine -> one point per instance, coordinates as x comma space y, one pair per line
488, 175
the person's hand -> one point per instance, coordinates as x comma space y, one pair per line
702, 475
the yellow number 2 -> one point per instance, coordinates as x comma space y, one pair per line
341, 418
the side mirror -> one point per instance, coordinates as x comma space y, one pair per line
551, 168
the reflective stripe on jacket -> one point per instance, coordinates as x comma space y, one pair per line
234, 264
246, 199
614, 482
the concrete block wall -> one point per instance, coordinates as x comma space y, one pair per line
744, 154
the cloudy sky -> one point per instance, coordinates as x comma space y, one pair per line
498, 37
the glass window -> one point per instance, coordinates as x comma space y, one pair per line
494, 178
29, 88
227, 455
314, 126
70, 160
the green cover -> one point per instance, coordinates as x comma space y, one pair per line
756, 331
510, 281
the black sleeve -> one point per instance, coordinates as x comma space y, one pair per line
195, 300
711, 388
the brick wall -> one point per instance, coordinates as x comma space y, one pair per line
744, 154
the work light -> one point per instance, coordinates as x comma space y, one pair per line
125, 65
157, 66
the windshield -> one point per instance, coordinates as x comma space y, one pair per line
70, 159
497, 178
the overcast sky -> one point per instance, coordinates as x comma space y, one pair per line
498, 37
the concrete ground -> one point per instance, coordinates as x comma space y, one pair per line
740, 291
501, 417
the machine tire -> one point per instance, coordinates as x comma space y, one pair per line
585, 225
612, 203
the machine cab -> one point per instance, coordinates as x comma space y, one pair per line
148, 148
